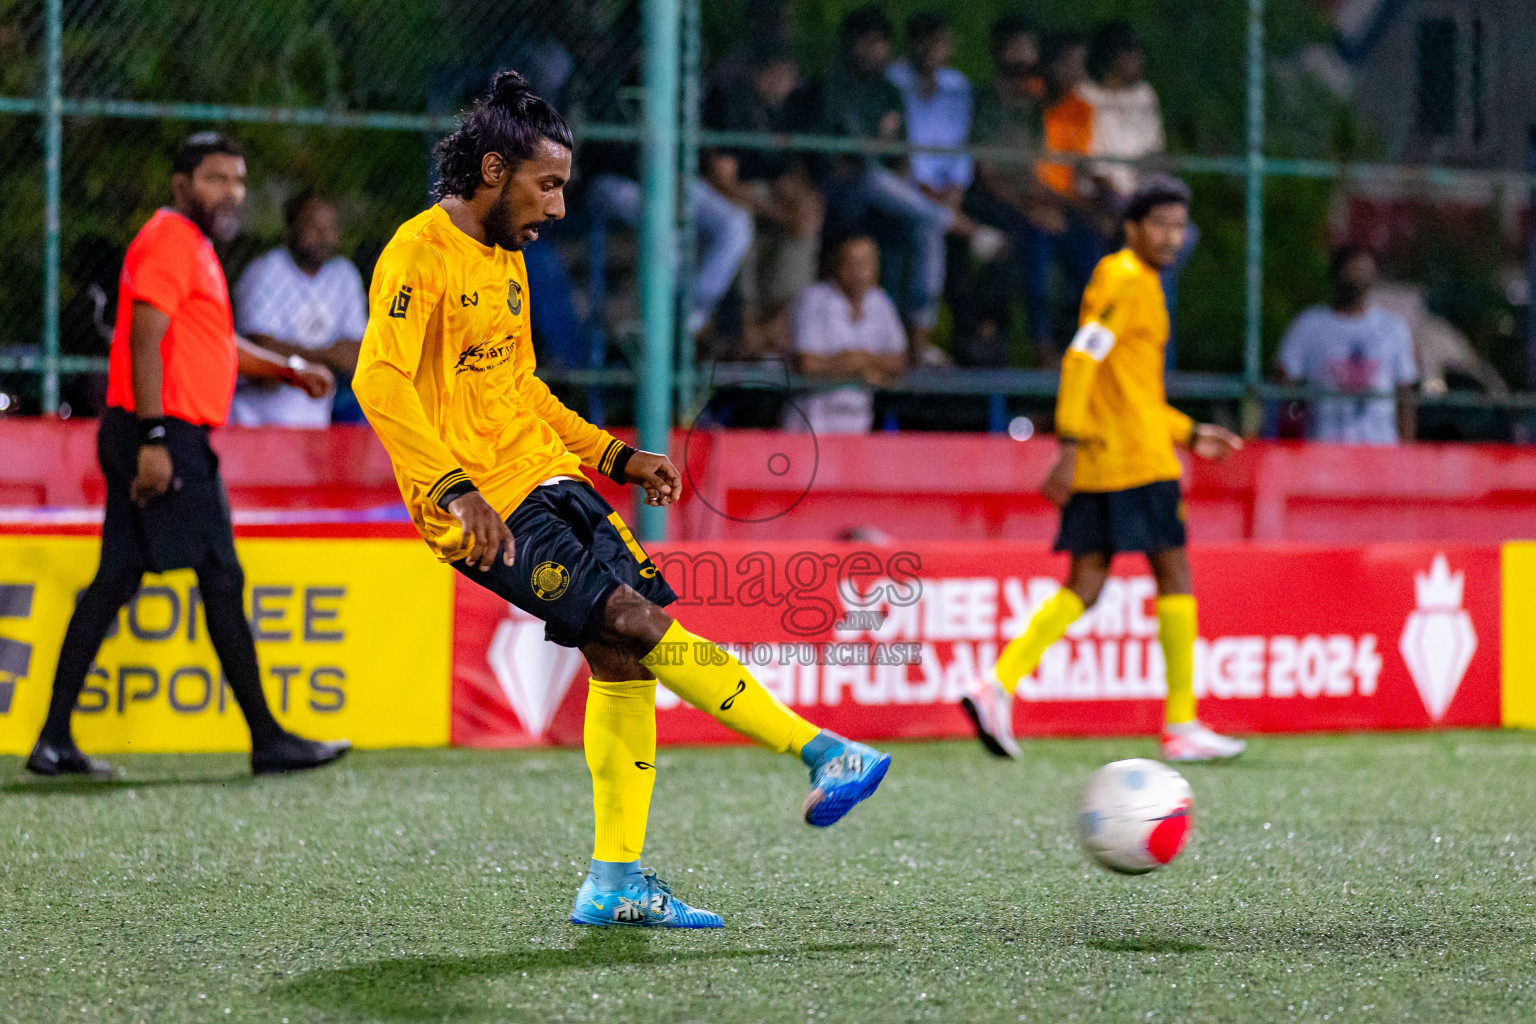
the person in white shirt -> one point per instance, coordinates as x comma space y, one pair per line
846, 327
1127, 120
1360, 353
300, 300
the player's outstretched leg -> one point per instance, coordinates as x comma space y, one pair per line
989, 702
1185, 738
620, 740
707, 676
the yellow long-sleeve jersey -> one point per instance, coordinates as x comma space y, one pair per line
445, 377
1111, 398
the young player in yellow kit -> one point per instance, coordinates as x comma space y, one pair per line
1117, 476
490, 466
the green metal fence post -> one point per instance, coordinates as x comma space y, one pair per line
53, 144
658, 243
1253, 353
687, 217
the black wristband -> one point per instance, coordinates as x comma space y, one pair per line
458, 490
152, 431
620, 460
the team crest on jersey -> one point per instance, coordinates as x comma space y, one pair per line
550, 580
515, 297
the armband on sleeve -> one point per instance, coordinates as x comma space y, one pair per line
1093, 340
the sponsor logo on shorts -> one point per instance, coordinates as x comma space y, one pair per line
550, 580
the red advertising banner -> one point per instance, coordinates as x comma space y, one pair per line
878, 643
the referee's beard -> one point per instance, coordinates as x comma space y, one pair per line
219, 221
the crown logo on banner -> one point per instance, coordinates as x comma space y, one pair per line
1438, 639
535, 674
1439, 589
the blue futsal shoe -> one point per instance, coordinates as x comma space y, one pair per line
841, 781
649, 904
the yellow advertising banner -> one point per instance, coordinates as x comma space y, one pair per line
1518, 672
354, 639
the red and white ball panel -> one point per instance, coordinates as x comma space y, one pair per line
1135, 815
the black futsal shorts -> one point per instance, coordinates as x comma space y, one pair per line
187, 527
1148, 518
573, 551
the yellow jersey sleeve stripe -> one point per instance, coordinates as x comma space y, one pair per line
447, 480
610, 457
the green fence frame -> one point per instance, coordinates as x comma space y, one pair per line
670, 137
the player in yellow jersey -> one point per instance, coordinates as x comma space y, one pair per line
490, 466
1117, 475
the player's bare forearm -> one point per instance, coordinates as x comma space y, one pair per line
1210, 441
1057, 486
1407, 414
663, 485
144, 337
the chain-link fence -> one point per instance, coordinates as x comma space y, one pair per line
1299, 126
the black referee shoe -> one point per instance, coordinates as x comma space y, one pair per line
64, 759
290, 753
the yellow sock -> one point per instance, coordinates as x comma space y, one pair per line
620, 741
712, 680
1177, 629
1049, 624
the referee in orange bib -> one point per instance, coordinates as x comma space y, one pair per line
171, 376
1117, 476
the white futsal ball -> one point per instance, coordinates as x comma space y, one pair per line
1135, 815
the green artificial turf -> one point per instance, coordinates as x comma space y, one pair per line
1361, 878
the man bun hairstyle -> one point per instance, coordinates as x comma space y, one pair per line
1153, 191
508, 120
191, 150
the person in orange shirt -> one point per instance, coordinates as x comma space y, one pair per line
490, 465
1117, 477
170, 379
1077, 238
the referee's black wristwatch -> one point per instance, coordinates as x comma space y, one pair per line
152, 431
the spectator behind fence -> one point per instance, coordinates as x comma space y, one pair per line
936, 99
1009, 114
613, 194
774, 186
1089, 219
847, 327
855, 99
1126, 121
300, 300
1353, 349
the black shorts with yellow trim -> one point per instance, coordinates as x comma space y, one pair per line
1149, 518
573, 551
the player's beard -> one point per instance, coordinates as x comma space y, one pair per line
501, 230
